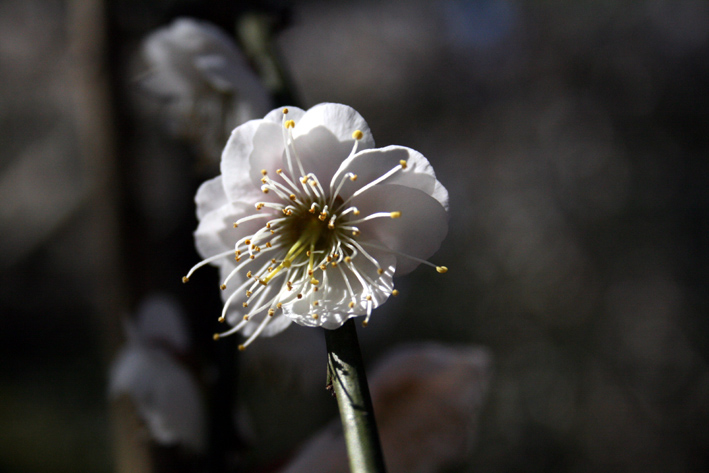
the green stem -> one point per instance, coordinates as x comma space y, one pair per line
349, 381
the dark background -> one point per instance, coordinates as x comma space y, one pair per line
573, 137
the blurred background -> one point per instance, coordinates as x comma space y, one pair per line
573, 137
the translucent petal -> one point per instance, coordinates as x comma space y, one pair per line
235, 165
210, 196
370, 164
340, 119
418, 232
276, 115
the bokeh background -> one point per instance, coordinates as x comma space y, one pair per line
573, 137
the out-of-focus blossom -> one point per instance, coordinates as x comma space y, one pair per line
147, 370
309, 222
427, 399
206, 81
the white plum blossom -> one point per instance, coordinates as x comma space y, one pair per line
206, 80
308, 222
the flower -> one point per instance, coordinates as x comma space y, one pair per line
308, 222
206, 79
148, 370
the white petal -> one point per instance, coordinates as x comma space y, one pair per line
418, 232
267, 153
340, 119
321, 153
276, 115
235, 164
371, 164
216, 233
210, 196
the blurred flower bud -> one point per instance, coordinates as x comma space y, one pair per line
205, 80
165, 394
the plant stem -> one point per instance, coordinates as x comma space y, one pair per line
349, 381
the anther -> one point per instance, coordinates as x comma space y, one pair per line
353, 177
264, 172
403, 164
248, 293
271, 312
285, 111
315, 316
215, 336
380, 271
357, 135
323, 267
185, 279
236, 224
221, 320
314, 281
396, 214
395, 292
245, 304
351, 304
292, 197
316, 303
242, 348
348, 259
290, 124
364, 323
355, 232
441, 269
222, 287
248, 274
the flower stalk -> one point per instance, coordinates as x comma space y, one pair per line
347, 377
